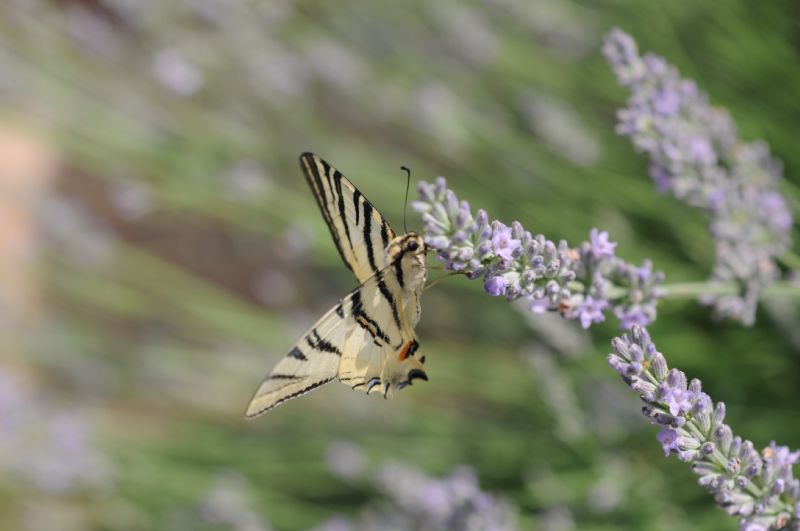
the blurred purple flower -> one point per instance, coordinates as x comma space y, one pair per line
453, 502
229, 503
176, 73
345, 459
590, 311
416, 501
760, 489
51, 448
600, 246
696, 155
631, 316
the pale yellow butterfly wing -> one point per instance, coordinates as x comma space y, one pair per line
311, 363
360, 232
357, 341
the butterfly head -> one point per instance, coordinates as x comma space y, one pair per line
406, 245
413, 243
407, 253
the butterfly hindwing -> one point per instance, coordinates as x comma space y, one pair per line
360, 232
359, 341
379, 352
312, 362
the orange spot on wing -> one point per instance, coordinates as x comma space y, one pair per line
404, 353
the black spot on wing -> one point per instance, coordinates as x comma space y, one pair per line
413, 348
297, 354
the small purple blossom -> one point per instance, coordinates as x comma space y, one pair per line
760, 489
696, 155
600, 246
503, 243
590, 311
669, 439
582, 283
678, 401
495, 286
631, 316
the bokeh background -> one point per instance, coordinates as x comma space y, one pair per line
159, 251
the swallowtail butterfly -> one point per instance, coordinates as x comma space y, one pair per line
367, 340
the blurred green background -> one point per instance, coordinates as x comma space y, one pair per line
161, 251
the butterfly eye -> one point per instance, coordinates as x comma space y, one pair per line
413, 246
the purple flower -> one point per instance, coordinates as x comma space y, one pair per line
415, 500
669, 439
775, 210
666, 101
631, 316
601, 247
495, 286
514, 263
591, 311
780, 456
696, 155
661, 178
761, 491
677, 401
503, 243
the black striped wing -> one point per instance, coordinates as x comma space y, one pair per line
361, 341
311, 363
358, 229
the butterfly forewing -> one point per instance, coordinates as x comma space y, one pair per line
358, 229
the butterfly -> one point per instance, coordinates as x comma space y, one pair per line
367, 340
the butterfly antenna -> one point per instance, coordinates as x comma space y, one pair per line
405, 203
437, 280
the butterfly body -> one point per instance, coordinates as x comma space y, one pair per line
367, 340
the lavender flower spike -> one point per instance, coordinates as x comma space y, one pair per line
582, 283
759, 489
696, 155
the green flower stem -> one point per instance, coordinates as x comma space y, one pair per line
691, 290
